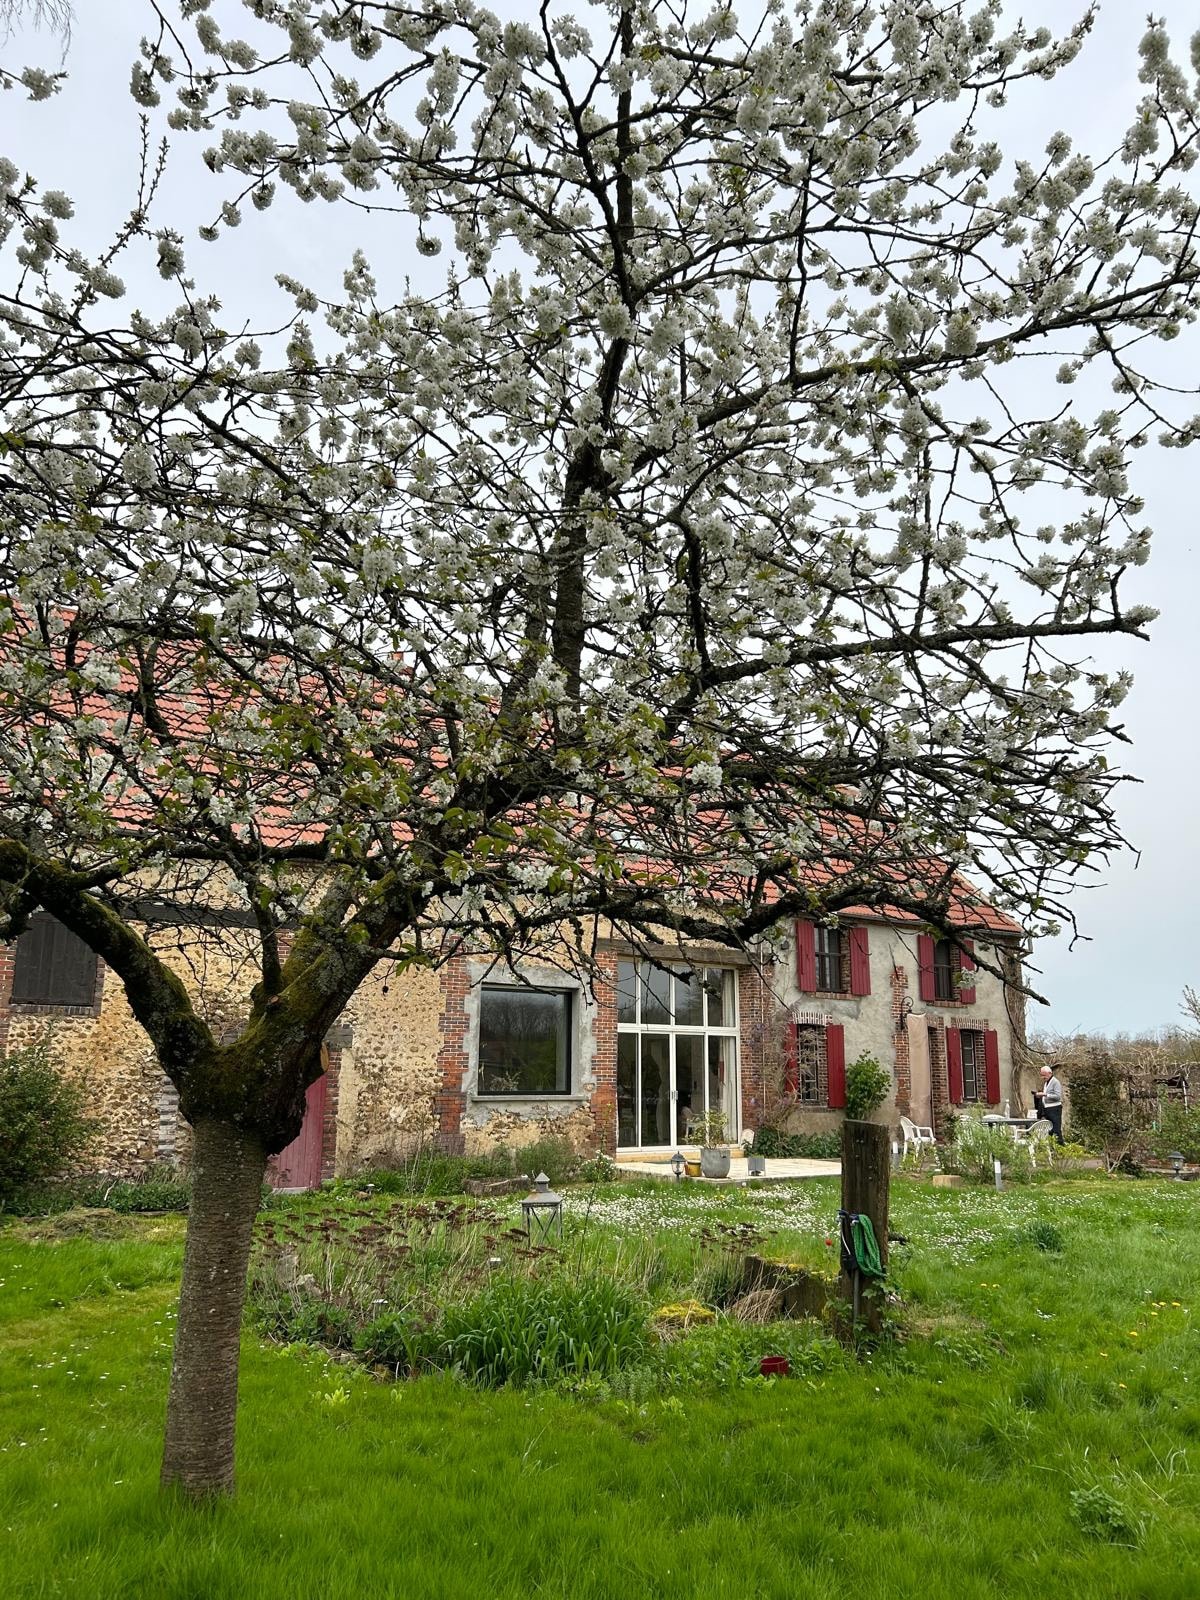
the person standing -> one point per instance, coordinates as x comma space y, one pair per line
1052, 1101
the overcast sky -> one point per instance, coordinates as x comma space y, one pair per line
1140, 919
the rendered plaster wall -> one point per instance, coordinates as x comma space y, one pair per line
871, 1022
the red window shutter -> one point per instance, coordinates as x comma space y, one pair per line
925, 967
991, 1065
954, 1065
835, 1065
791, 1069
860, 962
966, 963
806, 957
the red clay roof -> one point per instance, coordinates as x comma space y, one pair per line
197, 711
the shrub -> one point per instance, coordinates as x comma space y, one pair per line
43, 1125
867, 1086
519, 1330
302, 1319
797, 1146
707, 1129
1103, 1114
1177, 1130
977, 1148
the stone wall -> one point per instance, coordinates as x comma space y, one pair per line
406, 1049
104, 1046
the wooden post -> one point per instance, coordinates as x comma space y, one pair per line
866, 1175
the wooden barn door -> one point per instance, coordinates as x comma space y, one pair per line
298, 1165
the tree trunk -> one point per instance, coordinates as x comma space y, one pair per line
227, 1173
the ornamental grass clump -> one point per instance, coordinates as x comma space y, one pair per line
520, 1330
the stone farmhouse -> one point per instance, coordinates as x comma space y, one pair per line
472, 1055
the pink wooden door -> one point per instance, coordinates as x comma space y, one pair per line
298, 1165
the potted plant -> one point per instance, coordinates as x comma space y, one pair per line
709, 1133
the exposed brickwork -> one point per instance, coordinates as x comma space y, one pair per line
329, 1126
452, 1060
903, 1059
939, 1083
755, 1014
604, 1060
6, 979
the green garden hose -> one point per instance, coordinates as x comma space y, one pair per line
866, 1246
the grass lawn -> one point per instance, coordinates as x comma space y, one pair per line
1036, 1433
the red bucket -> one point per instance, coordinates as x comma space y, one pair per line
774, 1366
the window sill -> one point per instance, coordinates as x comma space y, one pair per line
528, 1099
51, 1008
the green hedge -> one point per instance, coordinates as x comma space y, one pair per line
797, 1146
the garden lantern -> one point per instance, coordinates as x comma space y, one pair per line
542, 1212
1176, 1160
677, 1164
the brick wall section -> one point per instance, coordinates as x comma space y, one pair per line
903, 1069
6, 980
755, 1011
939, 1083
604, 1060
329, 1124
452, 1062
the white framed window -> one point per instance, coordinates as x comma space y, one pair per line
677, 1050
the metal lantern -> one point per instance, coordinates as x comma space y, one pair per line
542, 1212
1176, 1160
678, 1164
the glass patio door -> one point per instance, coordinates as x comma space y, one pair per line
676, 1052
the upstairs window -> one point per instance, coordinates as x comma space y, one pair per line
524, 1041
52, 967
945, 971
828, 952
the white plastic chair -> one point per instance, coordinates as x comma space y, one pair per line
1038, 1139
919, 1138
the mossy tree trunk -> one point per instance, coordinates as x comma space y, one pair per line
228, 1164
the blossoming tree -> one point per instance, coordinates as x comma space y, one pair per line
713, 503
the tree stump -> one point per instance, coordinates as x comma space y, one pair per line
866, 1176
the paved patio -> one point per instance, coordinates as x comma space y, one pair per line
779, 1169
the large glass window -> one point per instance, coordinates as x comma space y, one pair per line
524, 1041
676, 1050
